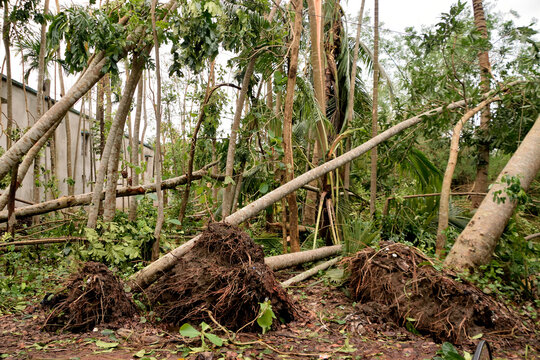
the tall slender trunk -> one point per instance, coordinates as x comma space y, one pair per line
100, 114
317, 63
350, 101
482, 166
446, 187
228, 192
9, 90
159, 222
116, 127
476, 243
287, 123
374, 112
185, 194
135, 147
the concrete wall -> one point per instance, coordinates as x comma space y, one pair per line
84, 163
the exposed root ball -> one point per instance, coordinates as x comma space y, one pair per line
224, 273
411, 290
90, 297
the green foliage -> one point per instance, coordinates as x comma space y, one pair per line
512, 189
85, 30
266, 316
204, 334
449, 352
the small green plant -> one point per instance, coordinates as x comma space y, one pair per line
204, 334
449, 352
266, 316
513, 190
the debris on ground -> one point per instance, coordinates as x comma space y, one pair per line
91, 296
224, 274
398, 284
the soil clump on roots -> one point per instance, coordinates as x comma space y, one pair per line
224, 274
404, 287
92, 296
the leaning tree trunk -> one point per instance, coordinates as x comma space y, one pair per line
374, 111
482, 166
228, 192
475, 245
287, 124
444, 203
149, 274
116, 127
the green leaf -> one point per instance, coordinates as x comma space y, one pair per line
228, 180
189, 331
477, 336
140, 353
263, 189
106, 345
266, 316
216, 340
174, 221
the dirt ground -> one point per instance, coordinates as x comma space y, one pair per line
330, 327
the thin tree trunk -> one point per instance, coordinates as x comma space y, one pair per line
109, 204
350, 101
374, 112
159, 222
116, 126
238, 187
149, 274
9, 90
287, 124
317, 64
475, 244
231, 150
444, 202
12, 221
482, 166
135, 147
100, 114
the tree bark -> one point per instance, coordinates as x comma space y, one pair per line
311, 272
116, 127
135, 146
287, 124
475, 245
159, 222
444, 202
374, 111
317, 65
150, 273
482, 166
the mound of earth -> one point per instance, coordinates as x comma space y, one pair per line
401, 285
92, 296
224, 274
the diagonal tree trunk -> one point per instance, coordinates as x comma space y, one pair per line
444, 202
287, 123
117, 126
482, 166
475, 244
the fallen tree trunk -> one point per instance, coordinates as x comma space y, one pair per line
475, 244
149, 274
85, 199
309, 273
279, 262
